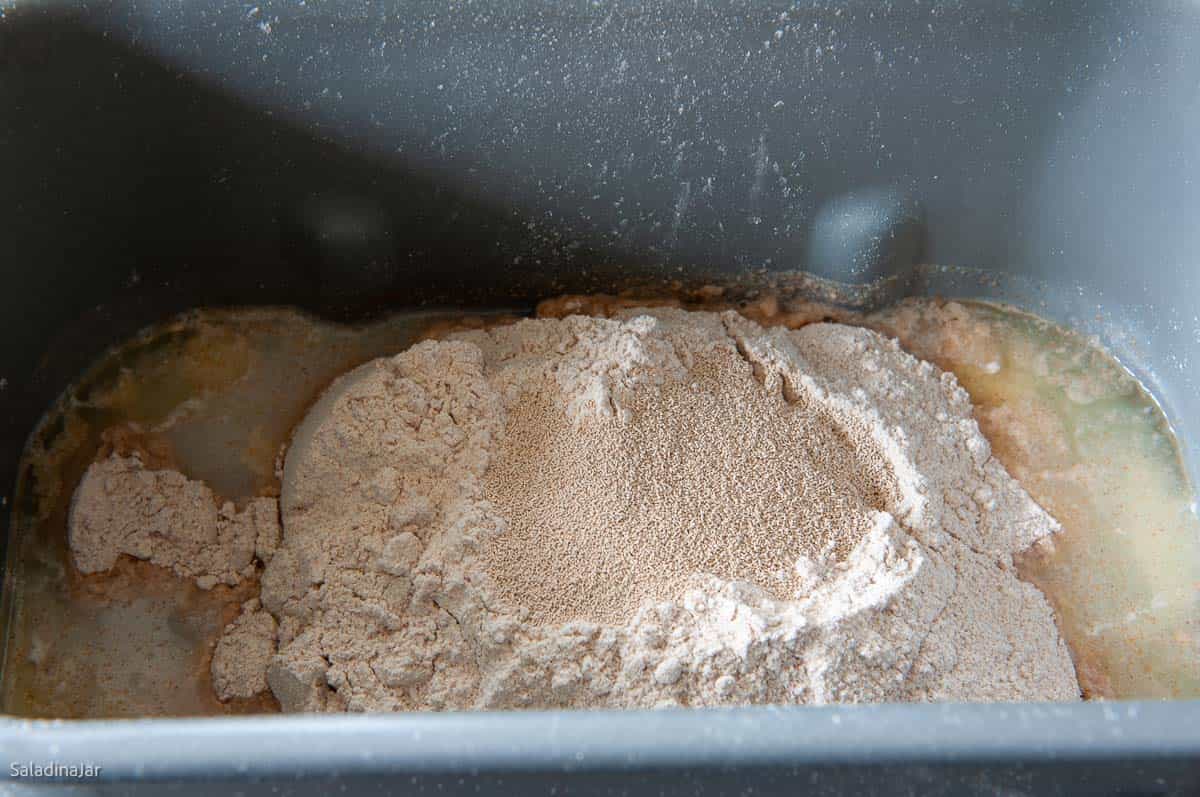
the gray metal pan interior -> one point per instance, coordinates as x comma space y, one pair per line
158, 156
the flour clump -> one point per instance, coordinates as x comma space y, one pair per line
122, 507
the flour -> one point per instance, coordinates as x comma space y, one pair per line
122, 507
661, 508
243, 653
503, 519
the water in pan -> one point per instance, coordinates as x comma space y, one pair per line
218, 393
1095, 450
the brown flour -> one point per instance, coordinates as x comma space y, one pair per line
121, 507
243, 653
663, 508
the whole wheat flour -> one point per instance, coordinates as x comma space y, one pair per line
662, 508
121, 507
239, 664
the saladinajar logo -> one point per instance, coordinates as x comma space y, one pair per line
34, 769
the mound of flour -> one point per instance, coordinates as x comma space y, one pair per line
662, 508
